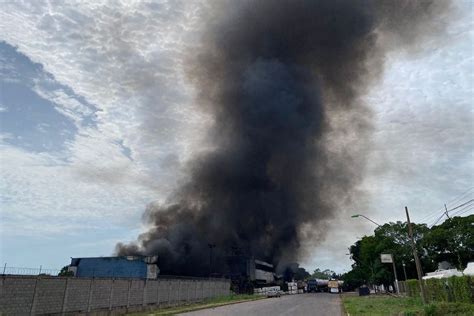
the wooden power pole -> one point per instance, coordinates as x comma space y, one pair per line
417, 260
447, 215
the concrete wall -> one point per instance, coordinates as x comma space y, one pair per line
30, 295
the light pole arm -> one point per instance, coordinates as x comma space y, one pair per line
369, 219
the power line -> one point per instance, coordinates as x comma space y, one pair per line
460, 210
470, 209
461, 196
439, 218
444, 210
470, 201
431, 216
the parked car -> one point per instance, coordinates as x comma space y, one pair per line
273, 293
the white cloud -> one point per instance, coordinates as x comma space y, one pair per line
41, 194
424, 127
123, 58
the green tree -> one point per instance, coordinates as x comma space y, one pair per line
452, 241
64, 272
325, 274
388, 238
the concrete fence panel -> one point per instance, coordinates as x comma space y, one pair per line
49, 295
120, 293
100, 294
77, 296
162, 292
151, 290
200, 289
17, 295
32, 295
187, 290
207, 289
136, 292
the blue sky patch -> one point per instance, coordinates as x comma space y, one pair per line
28, 120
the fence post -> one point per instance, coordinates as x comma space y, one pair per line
158, 292
128, 293
35, 296
169, 293
89, 301
111, 294
195, 290
144, 293
187, 291
63, 308
179, 291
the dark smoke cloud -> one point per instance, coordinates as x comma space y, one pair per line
282, 81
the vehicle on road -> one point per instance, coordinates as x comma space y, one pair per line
333, 286
273, 293
317, 285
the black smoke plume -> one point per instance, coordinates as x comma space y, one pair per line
283, 82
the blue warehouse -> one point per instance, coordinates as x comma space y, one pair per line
115, 267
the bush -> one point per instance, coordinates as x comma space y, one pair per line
461, 289
453, 289
437, 290
413, 290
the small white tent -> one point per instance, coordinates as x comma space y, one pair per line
469, 269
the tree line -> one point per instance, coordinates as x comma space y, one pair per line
452, 241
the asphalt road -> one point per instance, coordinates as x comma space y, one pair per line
301, 304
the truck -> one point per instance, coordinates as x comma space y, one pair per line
334, 286
317, 285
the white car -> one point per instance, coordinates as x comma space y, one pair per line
273, 293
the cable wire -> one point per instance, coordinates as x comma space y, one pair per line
470, 209
461, 205
461, 196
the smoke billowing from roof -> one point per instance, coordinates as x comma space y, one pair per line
282, 81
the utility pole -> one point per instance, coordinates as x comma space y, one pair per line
446, 212
417, 260
397, 290
404, 270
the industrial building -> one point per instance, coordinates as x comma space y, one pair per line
246, 273
115, 267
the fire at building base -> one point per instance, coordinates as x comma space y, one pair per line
245, 272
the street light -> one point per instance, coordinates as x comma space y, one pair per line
357, 215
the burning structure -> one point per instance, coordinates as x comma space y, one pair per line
283, 82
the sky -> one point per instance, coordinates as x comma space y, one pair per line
97, 120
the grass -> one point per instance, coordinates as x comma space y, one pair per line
209, 303
387, 305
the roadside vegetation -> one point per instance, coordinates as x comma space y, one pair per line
209, 303
388, 305
451, 241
